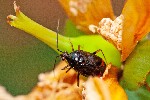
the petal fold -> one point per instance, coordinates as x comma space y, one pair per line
136, 24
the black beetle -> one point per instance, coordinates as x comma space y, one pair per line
83, 62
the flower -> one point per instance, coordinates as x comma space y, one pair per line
59, 85
134, 21
55, 85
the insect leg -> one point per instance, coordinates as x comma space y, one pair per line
99, 50
78, 79
68, 69
65, 67
55, 62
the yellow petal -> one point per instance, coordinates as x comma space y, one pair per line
111, 80
97, 89
136, 24
86, 12
107, 88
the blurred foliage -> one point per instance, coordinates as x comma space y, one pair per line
137, 66
70, 30
20, 67
140, 94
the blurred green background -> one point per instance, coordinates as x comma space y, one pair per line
22, 56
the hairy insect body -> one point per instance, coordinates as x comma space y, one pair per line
85, 63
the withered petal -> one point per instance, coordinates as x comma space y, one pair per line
86, 12
107, 88
136, 24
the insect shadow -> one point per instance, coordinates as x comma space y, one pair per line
83, 62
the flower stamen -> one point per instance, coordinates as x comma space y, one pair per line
110, 30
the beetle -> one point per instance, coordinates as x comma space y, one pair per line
83, 62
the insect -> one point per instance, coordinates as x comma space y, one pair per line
83, 62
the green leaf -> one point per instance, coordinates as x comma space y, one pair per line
21, 65
140, 94
148, 80
70, 30
137, 66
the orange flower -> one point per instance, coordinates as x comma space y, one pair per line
59, 85
124, 32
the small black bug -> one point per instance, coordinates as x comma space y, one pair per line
83, 62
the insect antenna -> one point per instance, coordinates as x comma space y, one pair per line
57, 46
57, 37
99, 50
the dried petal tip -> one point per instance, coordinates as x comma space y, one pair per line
16, 8
10, 18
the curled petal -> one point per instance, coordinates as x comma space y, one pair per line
107, 88
136, 24
96, 87
111, 80
86, 12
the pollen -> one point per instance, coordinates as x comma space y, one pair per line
110, 30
